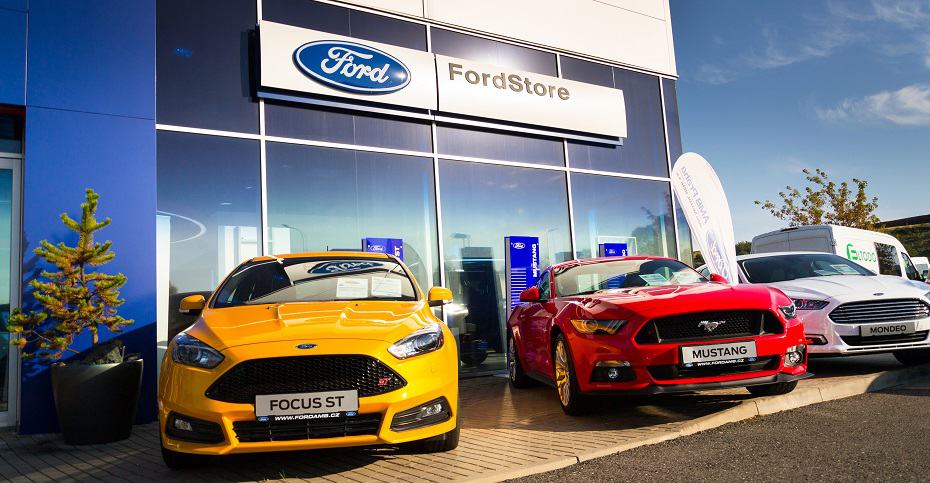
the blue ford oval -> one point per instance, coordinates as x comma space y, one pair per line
352, 67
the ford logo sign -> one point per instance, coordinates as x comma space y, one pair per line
306, 346
352, 67
518, 245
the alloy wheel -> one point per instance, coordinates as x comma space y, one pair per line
512, 359
562, 373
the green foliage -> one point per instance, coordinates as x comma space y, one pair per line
74, 298
915, 238
824, 201
743, 248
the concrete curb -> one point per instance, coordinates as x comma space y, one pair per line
803, 396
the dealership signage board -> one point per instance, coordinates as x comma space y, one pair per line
313, 62
391, 246
613, 250
521, 261
704, 203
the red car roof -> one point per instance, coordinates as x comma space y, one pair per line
589, 261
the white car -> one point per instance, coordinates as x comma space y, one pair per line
846, 308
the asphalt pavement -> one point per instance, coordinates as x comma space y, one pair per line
883, 436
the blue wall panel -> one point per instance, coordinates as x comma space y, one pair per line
116, 157
93, 56
14, 5
12, 57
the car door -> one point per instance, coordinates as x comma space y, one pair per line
536, 319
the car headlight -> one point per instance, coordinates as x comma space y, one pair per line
188, 350
425, 340
590, 326
789, 311
810, 304
927, 295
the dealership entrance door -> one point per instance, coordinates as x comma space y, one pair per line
9, 280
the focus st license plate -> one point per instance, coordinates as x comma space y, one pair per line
895, 328
714, 354
306, 403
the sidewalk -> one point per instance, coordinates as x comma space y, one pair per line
504, 434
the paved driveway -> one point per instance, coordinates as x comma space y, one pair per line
501, 430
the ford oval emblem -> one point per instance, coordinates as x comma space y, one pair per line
519, 245
352, 67
306, 346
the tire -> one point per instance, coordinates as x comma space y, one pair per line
772, 389
566, 381
913, 357
441, 443
518, 378
178, 461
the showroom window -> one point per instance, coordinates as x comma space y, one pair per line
636, 212
345, 21
322, 199
11, 134
479, 49
482, 204
499, 145
203, 64
208, 217
587, 72
347, 127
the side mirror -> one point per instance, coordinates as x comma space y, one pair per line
530, 294
438, 296
716, 277
192, 304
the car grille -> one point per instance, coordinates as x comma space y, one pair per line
880, 311
886, 339
665, 373
687, 327
288, 375
255, 431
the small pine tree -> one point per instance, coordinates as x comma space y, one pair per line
74, 298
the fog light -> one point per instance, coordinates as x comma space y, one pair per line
613, 373
433, 412
430, 410
183, 425
794, 356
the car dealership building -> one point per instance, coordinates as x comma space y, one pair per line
219, 130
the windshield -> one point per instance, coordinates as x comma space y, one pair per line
594, 277
781, 268
315, 280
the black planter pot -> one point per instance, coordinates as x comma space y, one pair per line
96, 403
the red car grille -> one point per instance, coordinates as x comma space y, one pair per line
709, 326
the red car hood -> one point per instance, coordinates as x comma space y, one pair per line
652, 302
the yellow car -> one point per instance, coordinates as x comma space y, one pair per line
311, 350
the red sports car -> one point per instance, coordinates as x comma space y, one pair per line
651, 325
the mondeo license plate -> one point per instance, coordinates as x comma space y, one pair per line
714, 354
308, 404
895, 328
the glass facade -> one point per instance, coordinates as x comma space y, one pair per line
320, 178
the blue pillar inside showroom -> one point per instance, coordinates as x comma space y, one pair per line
89, 102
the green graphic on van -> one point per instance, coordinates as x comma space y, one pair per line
860, 255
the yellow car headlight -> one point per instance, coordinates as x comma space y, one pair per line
592, 326
427, 339
190, 351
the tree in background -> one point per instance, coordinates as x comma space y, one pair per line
825, 202
743, 248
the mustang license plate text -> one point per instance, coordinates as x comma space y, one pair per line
713, 354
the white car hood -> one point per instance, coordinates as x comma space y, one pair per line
841, 285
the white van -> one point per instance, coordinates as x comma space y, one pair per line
923, 266
879, 252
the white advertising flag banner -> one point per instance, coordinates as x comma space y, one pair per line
704, 203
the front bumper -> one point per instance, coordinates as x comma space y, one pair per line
644, 364
429, 377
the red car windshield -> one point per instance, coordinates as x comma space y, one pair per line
595, 277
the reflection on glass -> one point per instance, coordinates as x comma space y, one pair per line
322, 199
622, 210
482, 204
11, 134
6, 238
348, 127
208, 210
587, 72
456, 44
479, 143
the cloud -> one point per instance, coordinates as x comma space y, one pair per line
908, 106
714, 75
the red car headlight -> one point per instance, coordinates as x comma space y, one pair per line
591, 326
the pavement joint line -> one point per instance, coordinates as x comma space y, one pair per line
827, 391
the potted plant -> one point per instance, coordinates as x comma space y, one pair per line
95, 395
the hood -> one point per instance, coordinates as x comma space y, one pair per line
660, 301
383, 321
843, 285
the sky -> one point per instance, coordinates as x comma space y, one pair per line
768, 88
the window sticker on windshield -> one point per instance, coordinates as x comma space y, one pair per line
653, 279
844, 269
351, 288
385, 287
825, 273
343, 266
